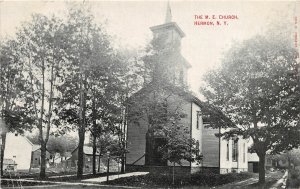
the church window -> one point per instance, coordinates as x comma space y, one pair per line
244, 153
198, 119
227, 151
235, 150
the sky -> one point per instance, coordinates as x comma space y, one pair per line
129, 21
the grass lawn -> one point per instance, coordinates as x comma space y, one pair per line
17, 182
23, 174
59, 176
62, 186
271, 179
165, 181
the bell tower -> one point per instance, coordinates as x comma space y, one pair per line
170, 34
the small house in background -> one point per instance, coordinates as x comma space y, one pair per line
88, 158
36, 156
253, 161
270, 163
71, 162
19, 149
22, 152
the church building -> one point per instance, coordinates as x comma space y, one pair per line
169, 94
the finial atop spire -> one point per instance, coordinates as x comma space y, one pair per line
168, 14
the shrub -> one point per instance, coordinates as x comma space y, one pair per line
199, 179
294, 178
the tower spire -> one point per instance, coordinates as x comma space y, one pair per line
168, 14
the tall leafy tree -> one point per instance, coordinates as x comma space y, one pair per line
179, 146
89, 98
73, 102
13, 115
104, 87
257, 90
41, 46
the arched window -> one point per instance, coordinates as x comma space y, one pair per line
198, 119
244, 153
227, 151
235, 151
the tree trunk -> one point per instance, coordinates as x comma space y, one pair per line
99, 163
94, 155
261, 168
3, 138
43, 161
123, 160
80, 162
289, 162
123, 163
173, 178
81, 129
94, 133
45, 141
40, 127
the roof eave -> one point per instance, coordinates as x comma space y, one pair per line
170, 24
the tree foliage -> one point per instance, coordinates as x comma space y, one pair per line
61, 72
14, 117
257, 89
91, 86
41, 50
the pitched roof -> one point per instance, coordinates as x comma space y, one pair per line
175, 89
252, 157
35, 147
169, 25
28, 141
87, 150
213, 116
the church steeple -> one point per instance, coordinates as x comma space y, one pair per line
168, 14
167, 37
